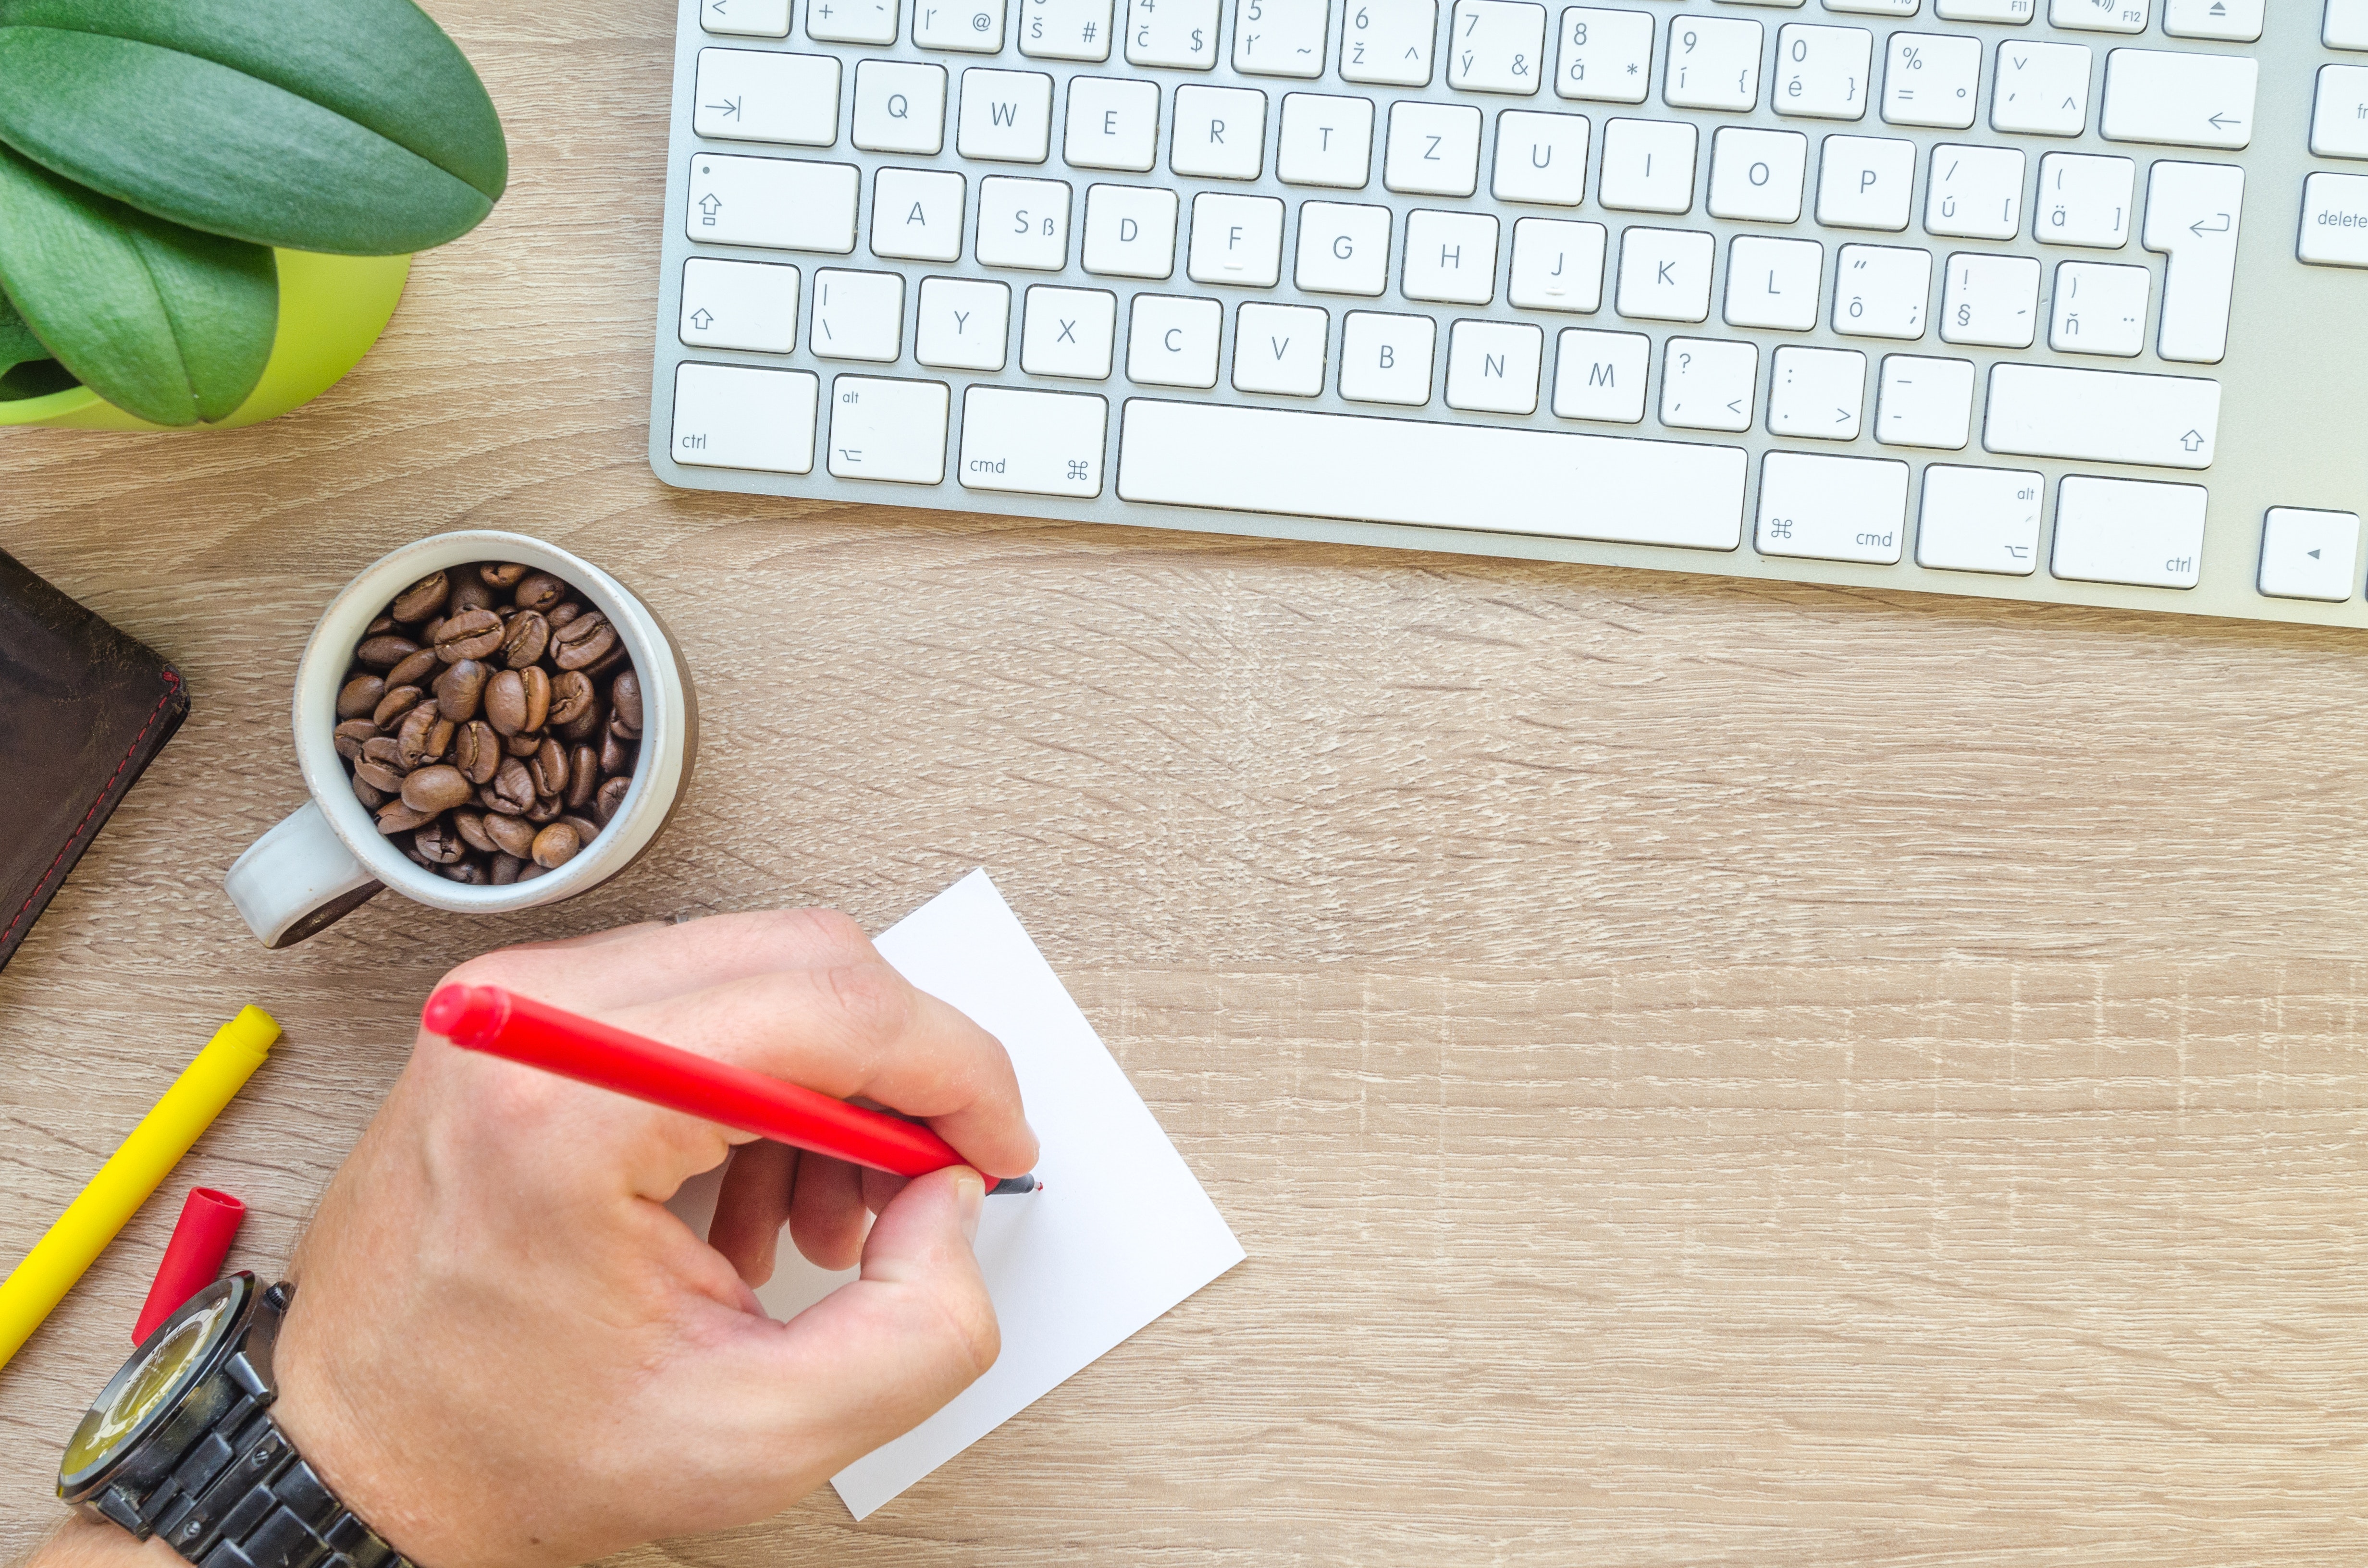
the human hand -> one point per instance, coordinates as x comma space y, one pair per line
504, 1349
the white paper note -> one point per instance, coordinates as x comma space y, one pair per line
1122, 1232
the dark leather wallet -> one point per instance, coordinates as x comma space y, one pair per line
82, 707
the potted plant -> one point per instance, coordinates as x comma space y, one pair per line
208, 207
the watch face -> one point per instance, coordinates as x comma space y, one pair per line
153, 1381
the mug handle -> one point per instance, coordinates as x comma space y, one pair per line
298, 879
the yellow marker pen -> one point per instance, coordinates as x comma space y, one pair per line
130, 1173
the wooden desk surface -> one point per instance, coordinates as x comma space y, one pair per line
1706, 1073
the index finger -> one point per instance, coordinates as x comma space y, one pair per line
857, 1030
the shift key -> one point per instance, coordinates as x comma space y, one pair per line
1031, 442
2115, 416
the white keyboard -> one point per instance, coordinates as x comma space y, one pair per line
2053, 300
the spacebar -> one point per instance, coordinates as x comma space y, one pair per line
1442, 476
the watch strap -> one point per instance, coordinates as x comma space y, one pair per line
248, 1500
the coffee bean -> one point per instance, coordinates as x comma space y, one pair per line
539, 591
428, 632
460, 688
514, 784
384, 623
555, 845
506, 701
551, 769
436, 787
616, 755
538, 697
379, 777
506, 869
398, 701
369, 795
524, 744
439, 841
476, 751
467, 871
385, 651
585, 725
571, 698
412, 854
469, 592
523, 642
349, 736
414, 670
546, 807
384, 751
582, 776
470, 826
561, 614
625, 705
424, 737
586, 640
586, 830
395, 817
471, 634
422, 599
528, 872
359, 696
415, 733
495, 804
511, 835
501, 574
610, 797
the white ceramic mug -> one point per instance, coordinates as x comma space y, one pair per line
329, 858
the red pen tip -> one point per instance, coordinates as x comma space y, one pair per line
468, 1016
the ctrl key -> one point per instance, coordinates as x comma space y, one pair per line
740, 416
1031, 442
2142, 532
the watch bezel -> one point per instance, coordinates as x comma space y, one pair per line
241, 1290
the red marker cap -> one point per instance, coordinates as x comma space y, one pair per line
193, 1259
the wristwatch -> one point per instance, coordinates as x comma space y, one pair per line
181, 1444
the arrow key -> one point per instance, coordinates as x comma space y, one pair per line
2310, 554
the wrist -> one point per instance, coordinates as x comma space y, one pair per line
79, 1543
347, 1450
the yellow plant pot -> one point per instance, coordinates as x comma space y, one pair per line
332, 308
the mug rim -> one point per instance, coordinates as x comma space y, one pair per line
657, 774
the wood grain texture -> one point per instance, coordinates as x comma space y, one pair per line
1706, 1073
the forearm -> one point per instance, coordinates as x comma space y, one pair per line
81, 1544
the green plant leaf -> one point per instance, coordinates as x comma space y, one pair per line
162, 322
350, 126
18, 344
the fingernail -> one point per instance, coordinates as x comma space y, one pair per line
970, 1197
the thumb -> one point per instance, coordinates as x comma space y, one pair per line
882, 1352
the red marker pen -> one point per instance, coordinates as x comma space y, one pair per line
500, 1022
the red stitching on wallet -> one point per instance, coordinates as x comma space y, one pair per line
171, 685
